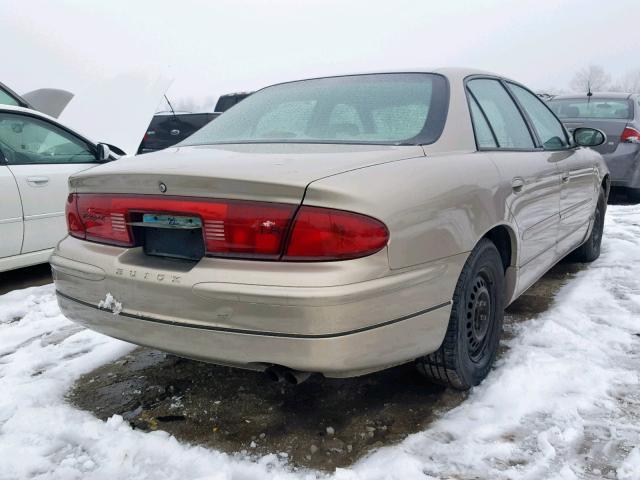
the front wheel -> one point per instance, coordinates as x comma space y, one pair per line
475, 325
590, 250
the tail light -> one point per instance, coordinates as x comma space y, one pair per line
74, 224
630, 135
233, 228
327, 234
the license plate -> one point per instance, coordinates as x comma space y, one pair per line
171, 221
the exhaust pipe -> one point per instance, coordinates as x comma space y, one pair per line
277, 373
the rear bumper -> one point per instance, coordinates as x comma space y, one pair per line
338, 318
338, 355
624, 165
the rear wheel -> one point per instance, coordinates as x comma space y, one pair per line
590, 250
475, 325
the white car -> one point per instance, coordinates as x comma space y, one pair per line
37, 156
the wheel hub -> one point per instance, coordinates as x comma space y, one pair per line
478, 317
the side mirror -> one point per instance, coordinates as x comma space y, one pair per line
104, 152
589, 137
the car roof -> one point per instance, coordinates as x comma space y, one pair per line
601, 95
452, 73
30, 111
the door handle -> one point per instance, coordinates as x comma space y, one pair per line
517, 184
565, 177
38, 181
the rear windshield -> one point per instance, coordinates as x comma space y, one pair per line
402, 108
594, 108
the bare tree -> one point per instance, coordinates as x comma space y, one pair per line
629, 83
592, 77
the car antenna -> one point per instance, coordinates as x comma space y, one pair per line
171, 107
589, 92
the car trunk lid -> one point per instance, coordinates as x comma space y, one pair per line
232, 201
263, 172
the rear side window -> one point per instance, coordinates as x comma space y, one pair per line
509, 127
549, 129
606, 108
484, 136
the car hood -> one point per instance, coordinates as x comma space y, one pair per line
51, 101
116, 111
268, 172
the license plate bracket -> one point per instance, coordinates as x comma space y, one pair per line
173, 236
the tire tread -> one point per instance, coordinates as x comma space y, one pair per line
442, 366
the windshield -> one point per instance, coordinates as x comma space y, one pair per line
594, 108
366, 109
6, 99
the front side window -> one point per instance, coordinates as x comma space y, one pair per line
594, 107
28, 140
506, 121
397, 108
6, 99
549, 129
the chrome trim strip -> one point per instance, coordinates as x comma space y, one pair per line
4, 221
44, 215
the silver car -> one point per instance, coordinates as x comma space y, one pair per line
337, 225
618, 116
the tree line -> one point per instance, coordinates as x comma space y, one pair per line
596, 79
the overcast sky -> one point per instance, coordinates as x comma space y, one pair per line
215, 47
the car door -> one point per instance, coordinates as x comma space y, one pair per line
41, 156
10, 212
577, 168
531, 175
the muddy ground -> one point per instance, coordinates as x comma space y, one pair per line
322, 423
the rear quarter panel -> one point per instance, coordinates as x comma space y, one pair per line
435, 207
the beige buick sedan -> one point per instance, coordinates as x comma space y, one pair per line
337, 225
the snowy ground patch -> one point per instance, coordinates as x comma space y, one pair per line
562, 403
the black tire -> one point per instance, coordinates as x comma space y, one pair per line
475, 325
590, 250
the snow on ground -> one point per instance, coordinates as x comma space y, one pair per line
562, 403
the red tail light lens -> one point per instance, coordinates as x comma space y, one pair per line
233, 228
630, 135
230, 227
327, 234
99, 218
246, 229
74, 225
